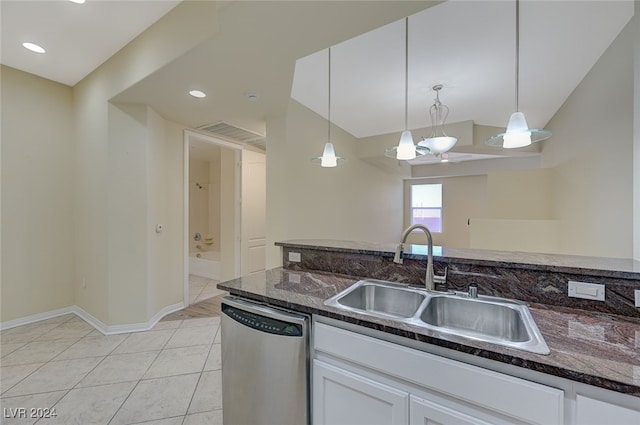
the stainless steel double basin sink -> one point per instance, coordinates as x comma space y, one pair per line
490, 319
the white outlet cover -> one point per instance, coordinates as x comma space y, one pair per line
294, 257
589, 291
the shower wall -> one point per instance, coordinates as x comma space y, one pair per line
204, 204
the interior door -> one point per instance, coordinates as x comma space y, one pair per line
253, 227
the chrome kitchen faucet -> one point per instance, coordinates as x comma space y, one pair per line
430, 277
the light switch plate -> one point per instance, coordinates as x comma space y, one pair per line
589, 291
637, 293
294, 257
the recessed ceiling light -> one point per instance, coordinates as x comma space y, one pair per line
33, 47
77, 1
197, 93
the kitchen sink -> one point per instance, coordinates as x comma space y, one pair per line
490, 319
476, 317
381, 298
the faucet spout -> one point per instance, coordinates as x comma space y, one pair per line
429, 277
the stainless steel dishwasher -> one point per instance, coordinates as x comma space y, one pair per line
265, 365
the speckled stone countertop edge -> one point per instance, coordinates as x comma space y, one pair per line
254, 288
583, 265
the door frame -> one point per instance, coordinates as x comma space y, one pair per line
190, 135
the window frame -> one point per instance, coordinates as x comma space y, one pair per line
408, 205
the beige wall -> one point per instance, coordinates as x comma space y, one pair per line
522, 194
114, 263
37, 195
462, 199
165, 186
356, 201
520, 213
591, 154
126, 234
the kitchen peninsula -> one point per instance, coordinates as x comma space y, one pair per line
594, 344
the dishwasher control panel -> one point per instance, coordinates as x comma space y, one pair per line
262, 323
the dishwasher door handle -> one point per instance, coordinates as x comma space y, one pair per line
264, 311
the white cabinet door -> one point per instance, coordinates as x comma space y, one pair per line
425, 412
343, 398
596, 412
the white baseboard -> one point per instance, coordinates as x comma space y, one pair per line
138, 327
97, 324
36, 318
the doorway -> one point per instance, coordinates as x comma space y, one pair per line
211, 214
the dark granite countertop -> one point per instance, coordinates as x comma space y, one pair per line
601, 266
592, 348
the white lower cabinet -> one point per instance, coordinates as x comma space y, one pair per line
342, 397
358, 379
590, 411
425, 412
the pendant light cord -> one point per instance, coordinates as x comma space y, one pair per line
517, 52
406, 73
329, 101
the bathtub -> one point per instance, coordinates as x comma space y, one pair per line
205, 264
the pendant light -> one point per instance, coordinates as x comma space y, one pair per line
406, 149
328, 158
518, 133
439, 142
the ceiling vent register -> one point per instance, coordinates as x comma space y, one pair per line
234, 133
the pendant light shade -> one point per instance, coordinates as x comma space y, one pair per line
406, 149
518, 133
439, 142
328, 158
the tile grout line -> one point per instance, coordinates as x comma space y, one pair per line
87, 374
142, 376
201, 372
2, 394
64, 393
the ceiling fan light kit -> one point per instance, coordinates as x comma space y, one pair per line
438, 143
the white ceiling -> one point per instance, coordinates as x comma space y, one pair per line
77, 37
468, 46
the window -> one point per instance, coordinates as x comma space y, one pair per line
426, 206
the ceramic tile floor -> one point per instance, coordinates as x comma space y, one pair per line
169, 375
202, 288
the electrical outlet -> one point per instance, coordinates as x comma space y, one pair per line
84, 283
589, 291
294, 257
637, 292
